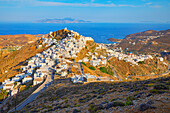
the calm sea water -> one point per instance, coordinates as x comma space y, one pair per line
100, 32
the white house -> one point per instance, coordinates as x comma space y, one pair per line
16, 79
63, 73
38, 80
8, 87
94, 62
26, 79
104, 62
13, 92
161, 59
85, 59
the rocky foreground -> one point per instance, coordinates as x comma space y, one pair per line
149, 96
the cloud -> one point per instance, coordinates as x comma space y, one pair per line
149, 3
124, 5
41, 3
90, 4
92, 0
155, 6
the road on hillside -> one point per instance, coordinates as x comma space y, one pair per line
81, 69
41, 88
115, 74
153, 74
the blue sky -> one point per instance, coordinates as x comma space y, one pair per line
114, 11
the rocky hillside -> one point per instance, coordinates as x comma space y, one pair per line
148, 42
148, 67
139, 96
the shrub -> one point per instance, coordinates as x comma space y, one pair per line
118, 103
137, 78
94, 108
161, 87
150, 85
103, 69
141, 62
84, 63
130, 98
106, 70
128, 102
77, 105
92, 68
67, 106
156, 91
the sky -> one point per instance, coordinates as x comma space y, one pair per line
97, 11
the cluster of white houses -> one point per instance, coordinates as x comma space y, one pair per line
88, 78
39, 65
57, 56
130, 57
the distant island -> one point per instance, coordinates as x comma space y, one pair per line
64, 20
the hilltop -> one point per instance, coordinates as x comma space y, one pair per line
64, 20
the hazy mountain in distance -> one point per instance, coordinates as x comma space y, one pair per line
64, 20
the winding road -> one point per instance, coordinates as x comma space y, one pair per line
115, 74
41, 88
167, 72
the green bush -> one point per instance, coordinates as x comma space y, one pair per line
130, 98
107, 70
128, 102
141, 62
118, 103
3, 94
92, 68
84, 63
103, 69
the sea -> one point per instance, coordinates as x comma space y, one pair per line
100, 32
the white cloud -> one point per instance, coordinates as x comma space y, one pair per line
149, 3
92, 0
90, 4
41, 3
124, 5
155, 6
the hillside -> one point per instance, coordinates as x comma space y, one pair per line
139, 96
10, 65
148, 67
114, 40
147, 42
10, 43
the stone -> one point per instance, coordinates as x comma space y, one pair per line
75, 111
161, 87
143, 107
139, 94
150, 102
150, 94
99, 97
114, 104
